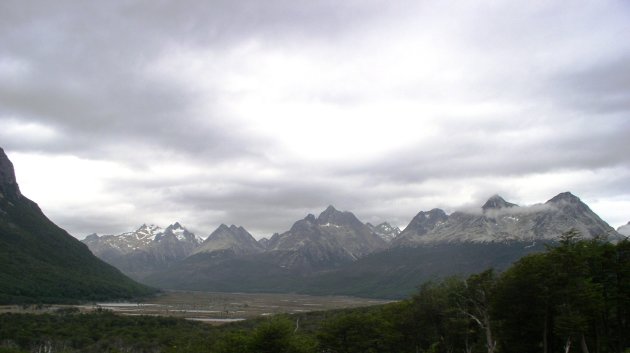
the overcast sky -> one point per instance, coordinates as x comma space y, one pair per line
255, 113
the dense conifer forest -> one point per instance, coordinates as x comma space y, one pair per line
575, 297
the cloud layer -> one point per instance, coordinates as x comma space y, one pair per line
256, 113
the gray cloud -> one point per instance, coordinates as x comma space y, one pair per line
494, 92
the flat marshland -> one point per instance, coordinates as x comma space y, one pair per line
214, 307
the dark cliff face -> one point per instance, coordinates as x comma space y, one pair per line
8, 184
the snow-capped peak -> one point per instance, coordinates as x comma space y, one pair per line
180, 233
148, 232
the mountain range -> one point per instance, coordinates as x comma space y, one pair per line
145, 250
336, 253
40, 262
502, 221
333, 253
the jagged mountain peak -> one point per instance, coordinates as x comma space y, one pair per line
384, 230
233, 238
333, 238
145, 231
92, 237
331, 208
566, 197
427, 218
435, 212
569, 203
330, 211
385, 226
145, 226
225, 229
423, 223
178, 232
230, 229
497, 202
8, 183
332, 216
176, 225
624, 230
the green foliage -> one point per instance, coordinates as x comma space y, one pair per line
278, 336
576, 292
356, 332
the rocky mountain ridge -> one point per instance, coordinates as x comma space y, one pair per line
145, 250
234, 239
231, 259
502, 221
331, 239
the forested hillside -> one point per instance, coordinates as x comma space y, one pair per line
40, 262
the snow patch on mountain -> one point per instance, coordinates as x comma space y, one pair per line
385, 231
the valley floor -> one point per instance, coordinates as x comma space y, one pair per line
213, 307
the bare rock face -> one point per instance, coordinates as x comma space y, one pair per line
420, 225
234, 239
330, 240
502, 221
8, 185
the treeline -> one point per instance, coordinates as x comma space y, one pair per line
575, 297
